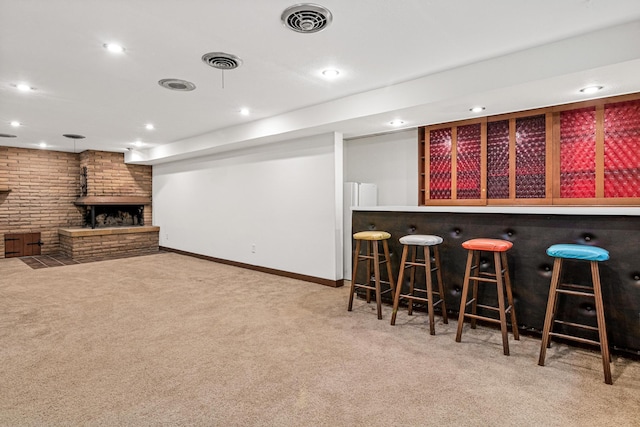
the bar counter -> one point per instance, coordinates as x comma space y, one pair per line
532, 230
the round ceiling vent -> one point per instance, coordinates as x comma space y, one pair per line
306, 18
221, 60
177, 84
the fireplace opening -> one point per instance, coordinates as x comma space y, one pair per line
114, 216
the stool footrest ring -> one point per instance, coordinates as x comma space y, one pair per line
488, 319
483, 279
576, 325
578, 293
572, 338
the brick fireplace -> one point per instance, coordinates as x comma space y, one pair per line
115, 198
41, 192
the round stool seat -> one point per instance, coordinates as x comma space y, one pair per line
474, 275
421, 240
372, 235
492, 245
573, 251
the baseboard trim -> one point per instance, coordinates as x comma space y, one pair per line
304, 277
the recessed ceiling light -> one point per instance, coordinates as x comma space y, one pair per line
330, 73
244, 111
396, 122
591, 89
477, 109
113, 47
138, 143
23, 87
16, 124
149, 126
42, 144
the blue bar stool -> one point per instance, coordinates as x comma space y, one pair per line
593, 255
372, 258
411, 244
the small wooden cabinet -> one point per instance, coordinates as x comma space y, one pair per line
22, 244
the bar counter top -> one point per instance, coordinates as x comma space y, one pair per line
495, 209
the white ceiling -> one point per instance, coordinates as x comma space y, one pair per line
424, 61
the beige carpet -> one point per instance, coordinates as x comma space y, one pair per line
172, 340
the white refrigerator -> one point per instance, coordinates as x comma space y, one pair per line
355, 194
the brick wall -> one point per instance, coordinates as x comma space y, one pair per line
44, 184
109, 175
105, 245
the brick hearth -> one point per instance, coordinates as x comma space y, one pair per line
86, 243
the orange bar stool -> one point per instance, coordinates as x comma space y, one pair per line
411, 244
500, 277
372, 260
594, 255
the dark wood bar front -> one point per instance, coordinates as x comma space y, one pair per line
530, 267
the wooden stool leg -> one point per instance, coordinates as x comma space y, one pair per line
387, 258
427, 270
507, 282
412, 278
354, 274
463, 297
474, 298
368, 281
443, 304
551, 306
503, 315
396, 299
376, 272
602, 329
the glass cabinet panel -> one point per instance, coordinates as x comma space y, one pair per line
530, 157
578, 153
622, 149
498, 160
468, 161
440, 164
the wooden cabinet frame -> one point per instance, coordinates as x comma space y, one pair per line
424, 164
599, 198
552, 159
512, 117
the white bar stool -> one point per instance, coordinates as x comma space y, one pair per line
411, 244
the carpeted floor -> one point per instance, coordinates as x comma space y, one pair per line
173, 340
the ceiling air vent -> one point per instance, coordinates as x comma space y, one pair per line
177, 84
7, 135
221, 60
306, 18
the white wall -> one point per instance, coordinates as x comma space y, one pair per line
390, 161
285, 198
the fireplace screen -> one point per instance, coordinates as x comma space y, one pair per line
114, 216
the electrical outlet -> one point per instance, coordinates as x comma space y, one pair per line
166, 236
253, 248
